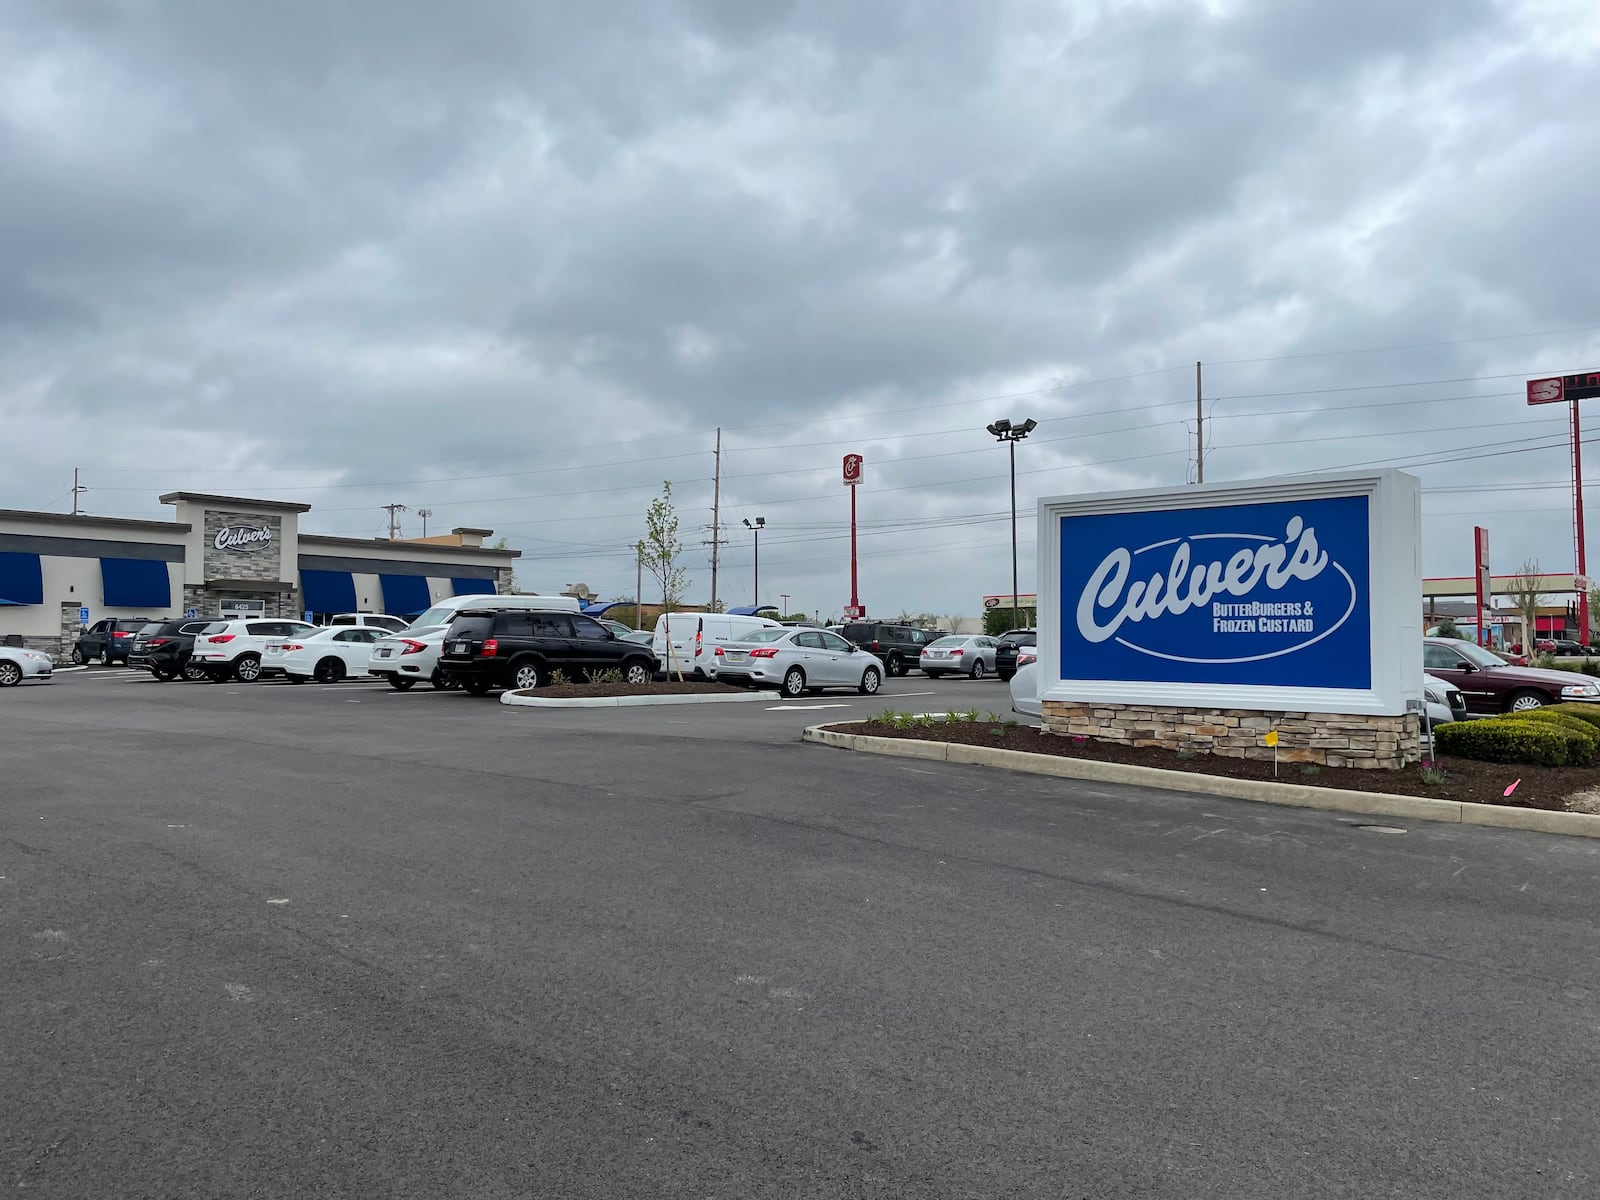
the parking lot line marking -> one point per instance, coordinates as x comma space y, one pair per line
911, 693
803, 707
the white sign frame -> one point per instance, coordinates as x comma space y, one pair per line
1394, 524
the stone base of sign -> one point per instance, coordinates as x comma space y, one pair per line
1327, 739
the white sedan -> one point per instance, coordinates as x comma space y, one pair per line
327, 655
18, 663
408, 657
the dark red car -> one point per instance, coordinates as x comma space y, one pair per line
1490, 684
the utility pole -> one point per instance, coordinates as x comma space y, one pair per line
638, 584
77, 490
424, 513
394, 523
1199, 430
716, 516
784, 596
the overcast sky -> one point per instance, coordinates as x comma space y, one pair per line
516, 262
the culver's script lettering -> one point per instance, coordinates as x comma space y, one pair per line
243, 537
1112, 598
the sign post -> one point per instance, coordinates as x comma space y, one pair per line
1569, 389
852, 480
1483, 584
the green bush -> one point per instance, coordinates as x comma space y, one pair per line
1589, 714
998, 620
1561, 720
1515, 740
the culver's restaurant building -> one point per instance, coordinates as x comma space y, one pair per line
221, 556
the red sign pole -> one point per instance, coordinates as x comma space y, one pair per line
852, 480
1482, 584
1577, 527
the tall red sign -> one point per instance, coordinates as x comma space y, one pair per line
852, 480
1559, 389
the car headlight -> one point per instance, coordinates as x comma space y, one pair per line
1581, 689
1433, 696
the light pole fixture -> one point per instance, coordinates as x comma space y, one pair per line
1003, 430
756, 528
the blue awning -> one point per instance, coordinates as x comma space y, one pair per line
405, 595
328, 591
21, 579
135, 583
472, 587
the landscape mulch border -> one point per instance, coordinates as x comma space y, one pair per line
660, 687
1466, 780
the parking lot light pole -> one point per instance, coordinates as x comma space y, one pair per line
760, 524
1005, 431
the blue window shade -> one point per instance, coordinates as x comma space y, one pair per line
135, 583
472, 587
404, 595
328, 591
21, 580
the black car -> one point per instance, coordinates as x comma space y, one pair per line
523, 649
1568, 649
163, 648
1005, 654
109, 640
898, 646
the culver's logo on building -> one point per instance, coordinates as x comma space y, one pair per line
243, 537
1269, 594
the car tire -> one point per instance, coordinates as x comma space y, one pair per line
1526, 701
978, 669
871, 681
476, 687
247, 668
527, 675
932, 674
1004, 676
329, 670
441, 682
401, 685
636, 672
794, 683
105, 657
163, 676
894, 666
10, 673
193, 672
78, 656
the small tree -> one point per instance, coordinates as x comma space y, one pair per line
998, 620
1523, 588
511, 574
1449, 629
661, 547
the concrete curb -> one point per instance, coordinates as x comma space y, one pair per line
1376, 804
524, 700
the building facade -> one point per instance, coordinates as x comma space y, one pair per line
221, 556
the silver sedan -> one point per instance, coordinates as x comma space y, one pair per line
796, 661
17, 664
959, 654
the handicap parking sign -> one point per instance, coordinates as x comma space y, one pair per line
188, 614
83, 616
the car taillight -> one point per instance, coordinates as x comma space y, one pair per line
220, 638
412, 647
1024, 659
491, 647
717, 653
158, 641
874, 645
291, 646
765, 652
120, 633
698, 636
958, 652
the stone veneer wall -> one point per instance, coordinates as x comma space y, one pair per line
1328, 739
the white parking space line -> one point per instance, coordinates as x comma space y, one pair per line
911, 693
803, 707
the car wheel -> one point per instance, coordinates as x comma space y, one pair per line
193, 672
527, 675
218, 674
894, 666
401, 685
10, 673
870, 682
477, 687
329, 670
247, 668
1004, 676
105, 657
637, 673
931, 674
78, 656
440, 681
977, 669
794, 682
1525, 701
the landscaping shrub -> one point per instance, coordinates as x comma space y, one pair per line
1515, 740
1561, 720
1587, 713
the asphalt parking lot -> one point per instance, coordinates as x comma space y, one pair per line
280, 940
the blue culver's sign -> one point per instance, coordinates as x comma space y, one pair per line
1271, 595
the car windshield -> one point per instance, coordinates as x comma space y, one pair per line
1477, 655
951, 641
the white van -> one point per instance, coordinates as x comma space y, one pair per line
695, 638
445, 610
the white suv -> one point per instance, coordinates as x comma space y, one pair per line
370, 620
225, 648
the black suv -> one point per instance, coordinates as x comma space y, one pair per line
163, 648
899, 646
1007, 644
486, 650
109, 640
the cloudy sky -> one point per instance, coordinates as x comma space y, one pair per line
517, 262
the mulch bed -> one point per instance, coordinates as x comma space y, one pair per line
1466, 780
665, 687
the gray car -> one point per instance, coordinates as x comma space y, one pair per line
959, 654
796, 661
18, 663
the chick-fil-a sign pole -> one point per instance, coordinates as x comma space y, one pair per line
1570, 389
852, 480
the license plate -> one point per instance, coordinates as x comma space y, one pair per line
735, 655
461, 648
274, 649
385, 652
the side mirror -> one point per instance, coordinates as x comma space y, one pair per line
854, 649
1468, 668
